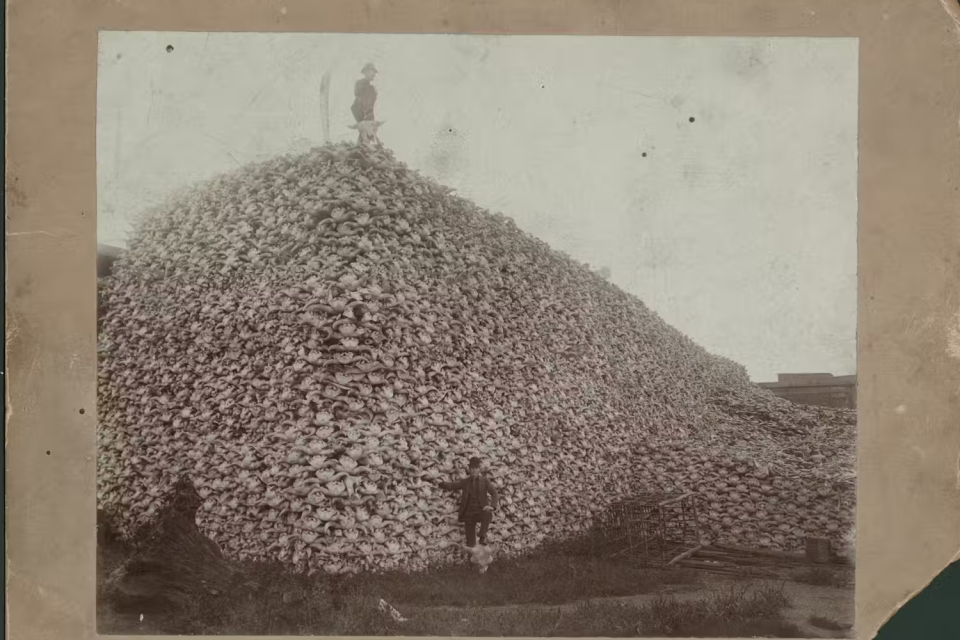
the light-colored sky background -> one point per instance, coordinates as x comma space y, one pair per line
739, 228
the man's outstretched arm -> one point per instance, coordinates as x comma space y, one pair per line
452, 486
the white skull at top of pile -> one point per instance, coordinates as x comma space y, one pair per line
316, 339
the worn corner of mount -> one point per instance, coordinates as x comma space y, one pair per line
914, 594
952, 7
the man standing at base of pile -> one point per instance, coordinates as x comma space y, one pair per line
475, 507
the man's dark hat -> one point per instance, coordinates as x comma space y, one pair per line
368, 67
474, 462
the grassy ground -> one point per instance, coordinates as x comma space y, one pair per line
822, 577
551, 594
532, 580
737, 611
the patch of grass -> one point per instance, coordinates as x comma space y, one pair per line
537, 579
738, 611
747, 601
548, 594
828, 624
583, 619
350, 610
822, 577
271, 614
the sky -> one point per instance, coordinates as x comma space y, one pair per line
716, 178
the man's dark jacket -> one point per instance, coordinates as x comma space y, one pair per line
365, 95
466, 486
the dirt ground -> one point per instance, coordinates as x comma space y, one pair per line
552, 593
832, 605
835, 604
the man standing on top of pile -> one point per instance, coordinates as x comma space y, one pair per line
474, 506
365, 97
365, 94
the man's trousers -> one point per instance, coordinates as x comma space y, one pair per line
470, 521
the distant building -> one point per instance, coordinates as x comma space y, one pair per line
822, 389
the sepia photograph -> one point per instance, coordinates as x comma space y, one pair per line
476, 336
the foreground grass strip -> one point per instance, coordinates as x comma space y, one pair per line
351, 610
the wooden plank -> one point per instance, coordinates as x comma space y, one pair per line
786, 555
670, 501
706, 552
685, 554
750, 562
697, 564
732, 571
710, 551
